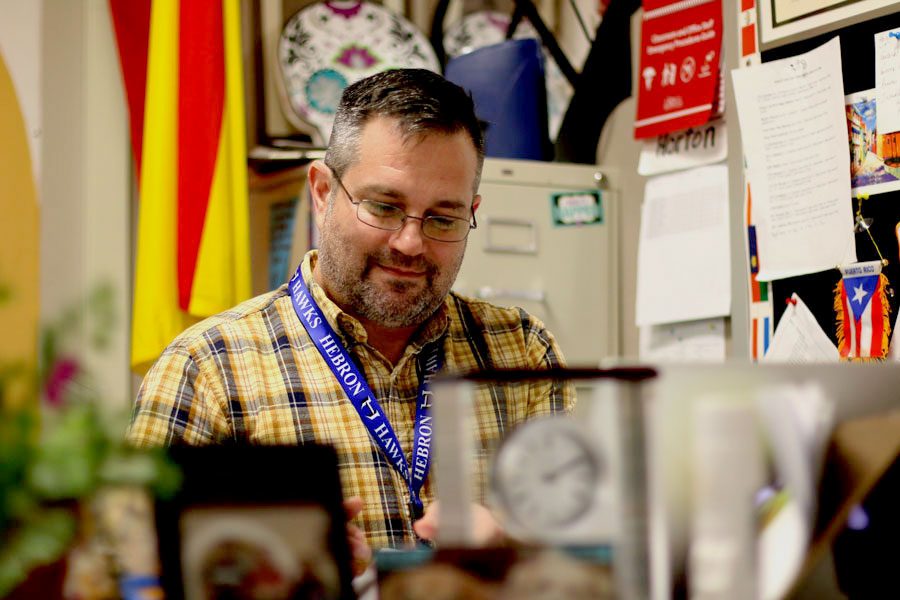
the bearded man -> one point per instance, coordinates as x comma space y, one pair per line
343, 353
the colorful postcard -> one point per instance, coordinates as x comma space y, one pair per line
874, 157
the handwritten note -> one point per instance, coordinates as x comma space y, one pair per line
887, 80
692, 147
791, 113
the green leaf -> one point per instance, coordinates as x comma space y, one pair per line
41, 540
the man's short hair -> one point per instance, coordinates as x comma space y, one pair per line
421, 102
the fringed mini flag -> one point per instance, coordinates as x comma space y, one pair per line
863, 312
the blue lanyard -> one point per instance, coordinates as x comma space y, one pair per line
362, 398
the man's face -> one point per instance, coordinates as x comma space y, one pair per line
394, 278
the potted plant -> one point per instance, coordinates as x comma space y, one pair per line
60, 448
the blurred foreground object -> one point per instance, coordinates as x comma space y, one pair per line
58, 456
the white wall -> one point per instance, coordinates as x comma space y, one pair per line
20, 45
85, 178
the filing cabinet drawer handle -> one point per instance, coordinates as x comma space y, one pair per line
530, 246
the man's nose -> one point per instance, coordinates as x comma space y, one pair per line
409, 239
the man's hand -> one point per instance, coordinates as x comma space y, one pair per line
486, 531
359, 548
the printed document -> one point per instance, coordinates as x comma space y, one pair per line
794, 130
684, 256
691, 342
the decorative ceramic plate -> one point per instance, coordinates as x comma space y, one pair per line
329, 45
476, 30
486, 27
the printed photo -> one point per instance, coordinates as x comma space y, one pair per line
257, 553
874, 158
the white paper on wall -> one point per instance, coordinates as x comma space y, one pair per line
684, 256
700, 341
794, 131
887, 80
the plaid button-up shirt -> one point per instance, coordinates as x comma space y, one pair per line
253, 375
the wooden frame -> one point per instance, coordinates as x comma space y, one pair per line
785, 21
255, 515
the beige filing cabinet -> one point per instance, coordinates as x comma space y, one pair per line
520, 255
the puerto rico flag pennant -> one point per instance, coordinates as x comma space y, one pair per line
862, 312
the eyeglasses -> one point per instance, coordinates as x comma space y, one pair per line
388, 217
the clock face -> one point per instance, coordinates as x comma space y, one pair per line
546, 475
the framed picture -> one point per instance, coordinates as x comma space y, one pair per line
785, 21
255, 522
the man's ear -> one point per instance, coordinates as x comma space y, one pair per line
319, 182
476, 202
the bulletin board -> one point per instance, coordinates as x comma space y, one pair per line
817, 290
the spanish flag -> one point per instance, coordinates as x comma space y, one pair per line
193, 248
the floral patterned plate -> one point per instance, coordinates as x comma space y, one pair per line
329, 45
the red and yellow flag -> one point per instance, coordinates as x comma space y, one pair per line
193, 248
